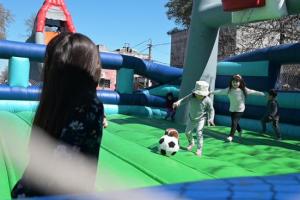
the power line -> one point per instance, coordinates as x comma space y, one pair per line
144, 49
150, 46
154, 45
140, 43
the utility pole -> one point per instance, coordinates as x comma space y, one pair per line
149, 46
126, 44
126, 47
150, 49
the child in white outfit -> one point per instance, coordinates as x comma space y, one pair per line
237, 93
200, 108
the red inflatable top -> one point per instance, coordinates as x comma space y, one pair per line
41, 18
236, 5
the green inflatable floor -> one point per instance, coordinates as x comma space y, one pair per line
128, 154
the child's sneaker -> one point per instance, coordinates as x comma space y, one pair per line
229, 138
199, 152
190, 147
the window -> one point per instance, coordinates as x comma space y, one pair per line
104, 83
54, 25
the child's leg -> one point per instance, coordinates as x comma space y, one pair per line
200, 137
188, 132
168, 114
173, 114
264, 122
235, 118
276, 128
238, 128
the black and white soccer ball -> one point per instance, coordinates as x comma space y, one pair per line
168, 146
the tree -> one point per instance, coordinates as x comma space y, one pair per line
267, 33
241, 38
238, 39
180, 11
5, 18
29, 23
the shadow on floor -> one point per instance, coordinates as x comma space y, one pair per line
260, 140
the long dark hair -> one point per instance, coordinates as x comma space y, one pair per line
242, 86
71, 72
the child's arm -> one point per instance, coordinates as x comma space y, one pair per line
210, 113
220, 91
105, 122
182, 101
254, 92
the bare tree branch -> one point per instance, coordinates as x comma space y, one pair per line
5, 18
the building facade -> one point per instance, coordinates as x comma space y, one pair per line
108, 78
234, 40
178, 47
227, 45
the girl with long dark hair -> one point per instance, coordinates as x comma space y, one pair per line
69, 110
237, 93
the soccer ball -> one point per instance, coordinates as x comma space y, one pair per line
168, 146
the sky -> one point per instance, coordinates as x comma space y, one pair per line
108, 22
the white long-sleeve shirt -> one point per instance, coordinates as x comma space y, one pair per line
237, 97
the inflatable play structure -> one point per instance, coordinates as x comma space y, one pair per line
260, 70
52, 19
267, 168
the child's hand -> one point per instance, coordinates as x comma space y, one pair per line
211, 123
105, 122
175, 104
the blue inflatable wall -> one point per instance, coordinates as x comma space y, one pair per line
260, 70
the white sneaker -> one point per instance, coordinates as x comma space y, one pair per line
199, 152
229, 139
190, 147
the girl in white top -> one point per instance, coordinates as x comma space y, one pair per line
237, 93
